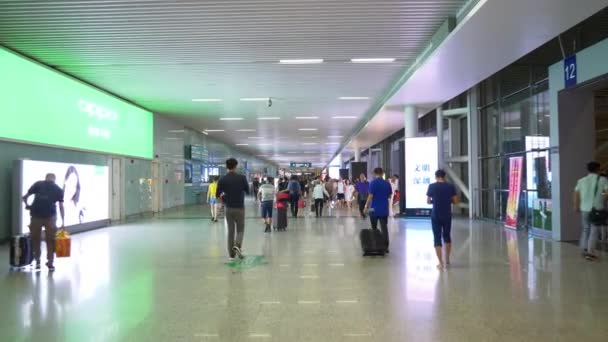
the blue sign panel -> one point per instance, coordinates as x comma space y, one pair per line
570, 71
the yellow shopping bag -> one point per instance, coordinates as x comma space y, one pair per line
63, 244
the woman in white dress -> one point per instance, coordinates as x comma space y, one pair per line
349, 191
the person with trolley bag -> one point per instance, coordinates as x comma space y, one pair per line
43, 211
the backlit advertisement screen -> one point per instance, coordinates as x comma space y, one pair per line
420, 166
86, 190
39, 105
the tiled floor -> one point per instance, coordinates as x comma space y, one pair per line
166, 279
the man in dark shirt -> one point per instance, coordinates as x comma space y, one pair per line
231, 189
442, 195
295, 191
43, 213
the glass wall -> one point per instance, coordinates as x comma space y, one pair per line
514, 123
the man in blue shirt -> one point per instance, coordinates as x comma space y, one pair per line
442, 195
362, 189
378, 200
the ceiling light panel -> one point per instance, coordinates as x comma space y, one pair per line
231, 119
353, 98
214, 130
301, 61
207, 100
254, 99
269, 118
344, 117
307, 117
308, 129
373, 60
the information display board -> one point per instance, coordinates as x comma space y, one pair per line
420, 166
86, 190
42, 106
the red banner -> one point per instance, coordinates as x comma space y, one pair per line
515, 176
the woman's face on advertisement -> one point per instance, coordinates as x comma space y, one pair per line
70, 186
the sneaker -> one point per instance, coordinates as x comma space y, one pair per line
37, 266
237, 252
51, 267
231, 259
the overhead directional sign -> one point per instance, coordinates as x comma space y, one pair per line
301, 164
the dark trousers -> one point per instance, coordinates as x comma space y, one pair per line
383, 225
442, 229
319, 206
294, 204
362, 207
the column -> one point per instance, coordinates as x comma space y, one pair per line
357, 153
411, 131
440, 137
411, 122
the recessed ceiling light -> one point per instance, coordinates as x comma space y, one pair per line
301, 61
176, 131
270, 118
335, 136
306, 117
242, 144
373, 60
254, 99
231, 119
307, 129
246, 130
207, 100
344, 117
353, 98
313, 137
214, 130
255, 137
332, 143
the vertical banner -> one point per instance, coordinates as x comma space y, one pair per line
420, 166
515, 169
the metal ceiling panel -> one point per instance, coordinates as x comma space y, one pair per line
163, 54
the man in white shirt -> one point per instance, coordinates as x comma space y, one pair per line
266, 195
590, 193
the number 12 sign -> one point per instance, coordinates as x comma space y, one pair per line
570, 71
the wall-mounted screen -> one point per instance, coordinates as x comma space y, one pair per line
86, 190
39, 105
420, 166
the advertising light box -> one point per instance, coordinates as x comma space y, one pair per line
86, 190
39, 105
420, 166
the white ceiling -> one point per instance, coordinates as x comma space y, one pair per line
163, 54
495, 34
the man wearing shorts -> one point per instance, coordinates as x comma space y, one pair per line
212, 199
442, 195
266, 195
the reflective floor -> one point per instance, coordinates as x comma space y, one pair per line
166, 279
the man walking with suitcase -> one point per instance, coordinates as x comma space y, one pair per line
232, 189
379, 194
43, 213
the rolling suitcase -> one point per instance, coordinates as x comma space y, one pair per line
279, 219
372, 242
21, 254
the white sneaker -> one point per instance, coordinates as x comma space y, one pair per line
237, 252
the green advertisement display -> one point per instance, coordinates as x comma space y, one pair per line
39, 105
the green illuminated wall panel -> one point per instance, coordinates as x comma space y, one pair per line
39, 105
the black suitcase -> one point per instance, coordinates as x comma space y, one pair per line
372, 242
279, 219
21, 251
